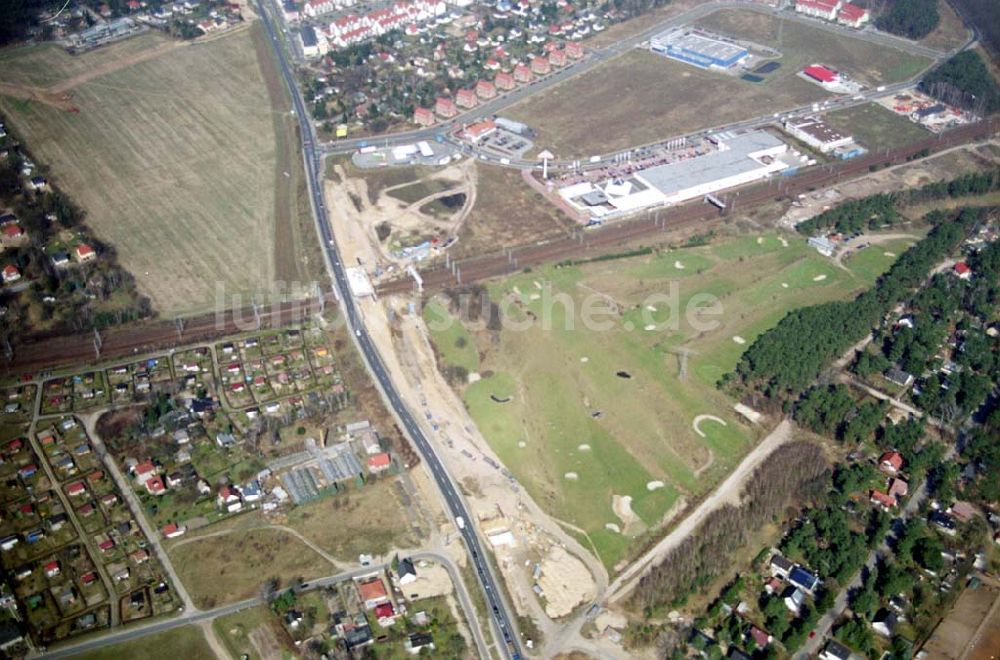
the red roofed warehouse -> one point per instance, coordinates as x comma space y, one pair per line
820, 74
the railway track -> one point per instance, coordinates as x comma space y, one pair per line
688, 216
161, 335
155, 335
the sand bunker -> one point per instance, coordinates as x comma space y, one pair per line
622, 506
702, 418
784, 243
518, 292
585, 359
888, 254
819, 278
654, 485
583, 447
571, 476
613, 527
784, 285
760, 240
535, 296
522, 444
650, 327
650, 308
678, 265
739, 340
538, 285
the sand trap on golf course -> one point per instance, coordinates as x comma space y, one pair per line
702, 418
819, 278
739, 340
654, 485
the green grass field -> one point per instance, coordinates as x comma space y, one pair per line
876, 127
641, 97
454, 343
173, 158
185, 642
569, 412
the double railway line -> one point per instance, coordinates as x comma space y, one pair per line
693, 215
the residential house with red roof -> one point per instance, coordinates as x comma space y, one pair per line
557, 58
76, 489
379, 463
229, 499
541, 65
523, 74
84, 252
505, 81
818, 8
962, 271
154, 486
11, 274
890, 462
884, 500
574, 50
173, 530
445, 107
424, 117
485, 89
466, 98
898, 487
372, 593
852, 15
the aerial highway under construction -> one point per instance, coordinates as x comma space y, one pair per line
312, 157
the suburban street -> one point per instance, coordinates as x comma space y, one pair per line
812, 646
194, 616
355, 323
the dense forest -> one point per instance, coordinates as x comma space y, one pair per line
794, 470
18, 17
880, 210
965, 81
913, 19
982, 14
786, 359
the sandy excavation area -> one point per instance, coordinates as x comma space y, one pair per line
408, 221
566, 583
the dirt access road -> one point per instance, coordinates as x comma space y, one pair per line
728, 492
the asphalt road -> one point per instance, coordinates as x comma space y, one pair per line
313, 166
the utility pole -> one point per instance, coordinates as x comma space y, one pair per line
98, 343
179, 324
